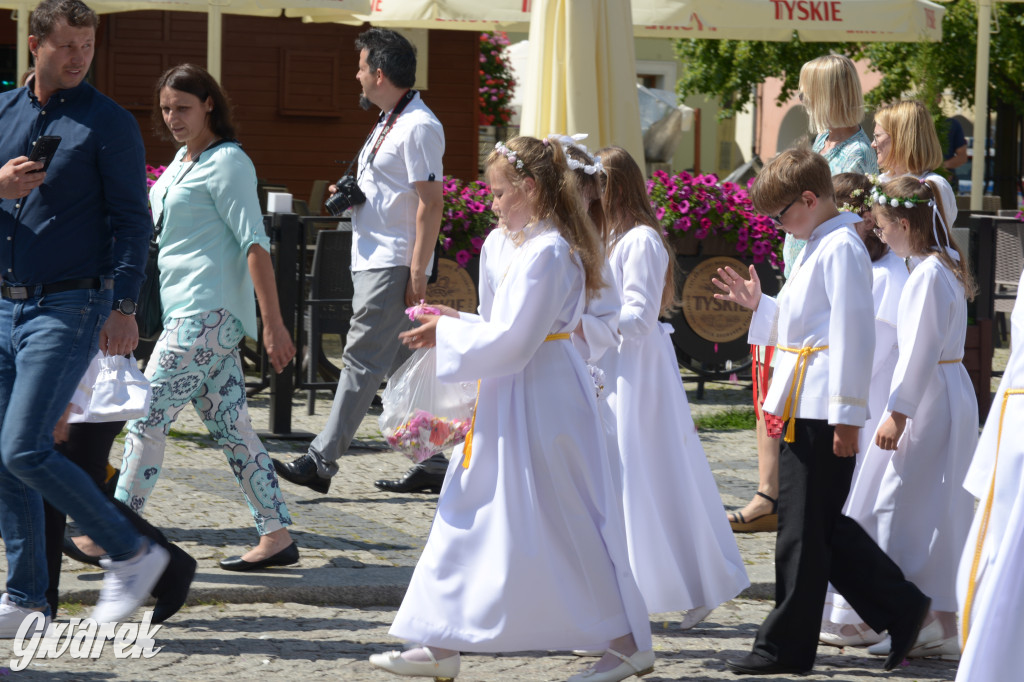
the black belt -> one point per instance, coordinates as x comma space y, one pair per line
25, 292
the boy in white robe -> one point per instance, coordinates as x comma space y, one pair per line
822, 322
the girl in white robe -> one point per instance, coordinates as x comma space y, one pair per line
841, 625
681, 548
920, 514
990, 589
526, 551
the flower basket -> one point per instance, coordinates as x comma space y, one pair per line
703, 216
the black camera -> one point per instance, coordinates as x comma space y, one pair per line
348, 195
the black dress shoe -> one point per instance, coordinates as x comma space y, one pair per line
171, 590
287, 556
756, 664
303, 471
903, 633
416, 480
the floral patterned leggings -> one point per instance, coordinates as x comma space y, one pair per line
196, 360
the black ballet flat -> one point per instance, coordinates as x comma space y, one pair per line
286, 557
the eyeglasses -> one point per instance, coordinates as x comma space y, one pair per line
777, 219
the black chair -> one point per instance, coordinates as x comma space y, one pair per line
327, 308
1008, 266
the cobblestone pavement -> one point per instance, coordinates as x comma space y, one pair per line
358, 547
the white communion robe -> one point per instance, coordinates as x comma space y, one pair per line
920, 514
824, 305
526, 550
681, 547
889, 276
996, 627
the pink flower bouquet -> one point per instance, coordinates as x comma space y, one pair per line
425, 435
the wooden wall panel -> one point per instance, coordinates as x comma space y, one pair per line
8, 30
314, 135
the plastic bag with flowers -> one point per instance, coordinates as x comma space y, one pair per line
422, 415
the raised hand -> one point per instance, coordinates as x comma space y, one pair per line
745, 292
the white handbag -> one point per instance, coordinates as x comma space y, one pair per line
120, 391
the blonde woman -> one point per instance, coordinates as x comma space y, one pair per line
830, 92
907, 144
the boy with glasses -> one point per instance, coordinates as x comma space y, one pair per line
823, 324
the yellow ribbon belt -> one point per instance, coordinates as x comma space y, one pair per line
950, 362
789, 411
467, 449
983, 527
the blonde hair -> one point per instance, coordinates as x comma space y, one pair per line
914, 146
627, 206
832, 93
789, 175
920, 216
556, 197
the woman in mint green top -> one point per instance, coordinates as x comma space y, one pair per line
214, 256
212, 219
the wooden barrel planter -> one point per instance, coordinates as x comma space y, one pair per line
710, 336
456, 286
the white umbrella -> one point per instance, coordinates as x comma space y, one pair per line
582, 74
339, 9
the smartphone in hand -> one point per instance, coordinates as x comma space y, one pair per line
43, 150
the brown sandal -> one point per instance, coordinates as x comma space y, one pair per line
765, 523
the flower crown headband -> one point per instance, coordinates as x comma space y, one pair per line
850, 208
879, 197
509, 154
566, 141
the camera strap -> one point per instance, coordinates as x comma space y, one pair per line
388, 125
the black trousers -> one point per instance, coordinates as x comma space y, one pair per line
817, 544
88, 446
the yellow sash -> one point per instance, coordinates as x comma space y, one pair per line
467, 449
950, 362
983, 527
789, 411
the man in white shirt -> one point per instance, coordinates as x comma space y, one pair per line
394, 233
823, 324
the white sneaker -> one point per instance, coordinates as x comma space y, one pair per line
12, 617
126, 584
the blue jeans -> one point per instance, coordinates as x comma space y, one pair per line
46, 344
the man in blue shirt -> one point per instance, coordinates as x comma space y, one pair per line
73, 243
